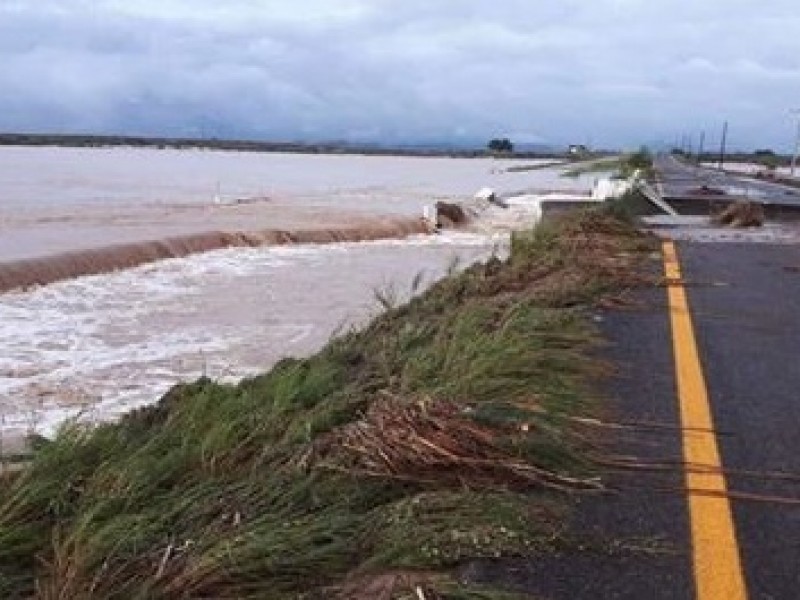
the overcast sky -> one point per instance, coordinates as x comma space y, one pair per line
609, 72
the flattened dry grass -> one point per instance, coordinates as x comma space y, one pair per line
440, 433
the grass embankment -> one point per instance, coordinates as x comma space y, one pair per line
438, 434
622, 166
536, 167
603, 165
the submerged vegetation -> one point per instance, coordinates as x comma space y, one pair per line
438, 434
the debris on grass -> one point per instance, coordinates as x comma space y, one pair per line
417, 585
741, 214
438, 443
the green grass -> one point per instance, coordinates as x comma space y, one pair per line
535, 167
603, 165
294, 483
622, 166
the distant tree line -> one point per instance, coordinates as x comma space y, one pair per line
500, 145
495, 146
768, 158
762, 156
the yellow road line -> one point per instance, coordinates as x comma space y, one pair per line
717, 565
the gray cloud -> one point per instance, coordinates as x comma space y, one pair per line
618, 72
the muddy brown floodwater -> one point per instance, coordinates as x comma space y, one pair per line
98, 345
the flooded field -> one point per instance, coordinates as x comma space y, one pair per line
98, 345
60, 199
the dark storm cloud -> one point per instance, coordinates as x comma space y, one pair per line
613, 71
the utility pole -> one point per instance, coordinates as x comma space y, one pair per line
700, 146
796, 112
722, 145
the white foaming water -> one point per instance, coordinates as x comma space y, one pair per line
101, 345
98, 346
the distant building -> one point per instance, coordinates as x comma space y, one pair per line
577, 150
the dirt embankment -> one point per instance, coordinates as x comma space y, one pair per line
449, 429
68, 265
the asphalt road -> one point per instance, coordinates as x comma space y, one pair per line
682, 180
748, 333
744, 301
